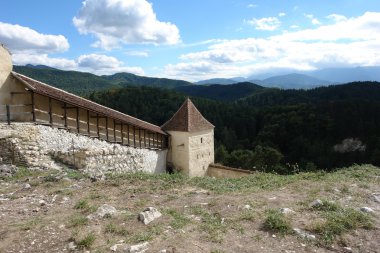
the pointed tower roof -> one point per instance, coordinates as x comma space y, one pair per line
187, 119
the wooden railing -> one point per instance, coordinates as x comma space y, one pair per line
121, 133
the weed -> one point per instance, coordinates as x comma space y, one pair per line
327, 206
341, 221
30, 224
77, 221
111, 228
81, 204
87, 241
277, 222
247, 215
214, 226
84, 206
179, 219
146, 235
74, 174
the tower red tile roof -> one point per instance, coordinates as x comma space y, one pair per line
187, 119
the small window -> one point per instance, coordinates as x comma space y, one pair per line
201, 140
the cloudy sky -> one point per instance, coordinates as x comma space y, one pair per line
192, 40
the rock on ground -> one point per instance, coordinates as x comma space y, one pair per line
304, 234
104, 210
149, 215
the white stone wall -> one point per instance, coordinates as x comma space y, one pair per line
41, 146
192, 152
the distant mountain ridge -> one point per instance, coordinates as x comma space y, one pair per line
83, 82
306, 79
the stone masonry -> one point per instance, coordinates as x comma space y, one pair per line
42, 147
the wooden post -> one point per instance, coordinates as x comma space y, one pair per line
107, 128
122, 135
8, 114
134, 136
114, 131
65, 114
144, 138
88, 123
128, 141
97, 125
33, 107
78, 122
140, 139
149, 139
50, 112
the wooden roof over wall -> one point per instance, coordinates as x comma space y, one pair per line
66, 97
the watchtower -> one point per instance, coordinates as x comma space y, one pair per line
191, 140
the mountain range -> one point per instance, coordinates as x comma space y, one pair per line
305, 79
81, 82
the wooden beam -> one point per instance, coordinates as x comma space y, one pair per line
20, 92
33, 107
122, 135
140, 137
134, 136
50, 112
144, 138
106, 128
97, 125
88, 122
78, 122
128, 141
99, 117
69, 107
114, 131
65, 114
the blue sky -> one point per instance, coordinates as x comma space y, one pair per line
192, 40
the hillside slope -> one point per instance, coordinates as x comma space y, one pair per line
56, 211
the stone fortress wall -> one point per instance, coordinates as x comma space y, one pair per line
43, 147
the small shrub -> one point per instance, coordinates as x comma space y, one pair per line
179, 219
277, 222
81, 204
327, 206
111, 228
76, 221
84, 206
341, 221
86, 242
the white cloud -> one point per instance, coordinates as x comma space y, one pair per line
43, 59
346, 43
314, 20
115, 22
282, 14
265, 24
294, 26
103, 64
94, 63
24, 39
336, 17
252, 5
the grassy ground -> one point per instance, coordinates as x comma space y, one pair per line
199, 214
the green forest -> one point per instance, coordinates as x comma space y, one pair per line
275, 130
256, 128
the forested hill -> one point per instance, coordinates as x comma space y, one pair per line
83, 83
222, 92
341, 125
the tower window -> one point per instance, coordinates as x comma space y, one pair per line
201, 140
